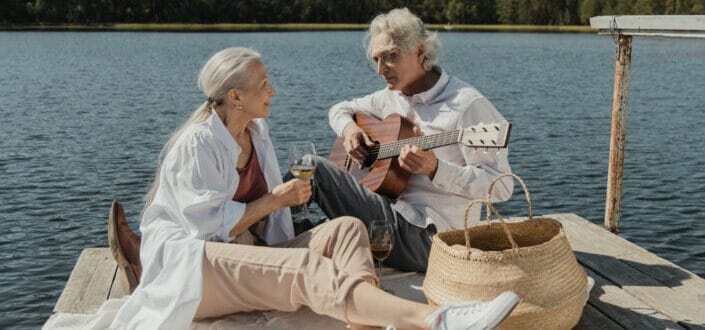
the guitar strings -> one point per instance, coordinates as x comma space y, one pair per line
392, 149
424, 142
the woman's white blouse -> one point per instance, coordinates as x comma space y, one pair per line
193, 204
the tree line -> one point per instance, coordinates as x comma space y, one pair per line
542, 12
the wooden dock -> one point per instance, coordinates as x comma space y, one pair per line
634, 289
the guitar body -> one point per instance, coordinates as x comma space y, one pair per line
383, 176
381, 172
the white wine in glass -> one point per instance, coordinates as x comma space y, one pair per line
381, 243
302, 165
304, 172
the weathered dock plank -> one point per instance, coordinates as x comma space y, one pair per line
118, 288
594, 319
661, 285
638, 257
89, 284
626, 309
683, 26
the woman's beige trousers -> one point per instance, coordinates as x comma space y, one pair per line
316, 269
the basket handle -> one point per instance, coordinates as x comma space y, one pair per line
490, 208
523, 186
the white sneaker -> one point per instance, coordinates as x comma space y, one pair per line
590, 284
473, 315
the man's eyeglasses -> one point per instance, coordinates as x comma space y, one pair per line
386, 58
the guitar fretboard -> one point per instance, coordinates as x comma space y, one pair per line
389, 150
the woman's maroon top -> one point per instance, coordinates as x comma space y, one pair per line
252, 184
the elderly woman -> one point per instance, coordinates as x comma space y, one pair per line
218, 198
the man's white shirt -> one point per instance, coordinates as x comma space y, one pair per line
463, 173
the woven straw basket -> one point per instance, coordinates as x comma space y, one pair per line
531, 258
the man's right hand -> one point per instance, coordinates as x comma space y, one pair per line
356, 142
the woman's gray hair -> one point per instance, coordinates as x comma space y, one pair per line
406, 31
227, 69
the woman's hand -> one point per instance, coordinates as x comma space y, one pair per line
293, 192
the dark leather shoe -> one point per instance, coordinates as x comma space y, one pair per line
125, 246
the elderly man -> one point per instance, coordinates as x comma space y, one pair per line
442, 180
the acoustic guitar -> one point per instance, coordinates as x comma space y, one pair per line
381, 172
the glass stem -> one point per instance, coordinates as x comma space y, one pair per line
380, 274
304, 209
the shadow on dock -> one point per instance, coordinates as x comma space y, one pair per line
626, 271
634, 293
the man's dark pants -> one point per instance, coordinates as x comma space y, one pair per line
338, 194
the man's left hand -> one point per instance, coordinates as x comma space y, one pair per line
418, 161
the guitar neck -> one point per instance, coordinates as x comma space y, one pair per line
389, 150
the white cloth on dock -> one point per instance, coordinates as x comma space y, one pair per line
100, 320
304, 318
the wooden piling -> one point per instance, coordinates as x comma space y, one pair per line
622, 28
620, 103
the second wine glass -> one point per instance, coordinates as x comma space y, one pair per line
302, 165
381, 243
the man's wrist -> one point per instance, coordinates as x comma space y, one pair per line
432, 174
351, 126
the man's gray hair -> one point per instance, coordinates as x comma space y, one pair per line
406, 31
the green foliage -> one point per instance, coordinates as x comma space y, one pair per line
642, 7
532, 12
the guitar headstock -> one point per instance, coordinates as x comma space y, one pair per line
493, 135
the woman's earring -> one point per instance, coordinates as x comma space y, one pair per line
238, 107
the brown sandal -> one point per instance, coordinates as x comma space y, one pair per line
124, 245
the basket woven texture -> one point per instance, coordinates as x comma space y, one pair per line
532, 258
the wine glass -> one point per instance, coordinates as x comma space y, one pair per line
381, 243
302, 165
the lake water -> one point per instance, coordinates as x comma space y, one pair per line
84, 116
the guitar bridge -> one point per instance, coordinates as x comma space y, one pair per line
366, 164
346, 162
